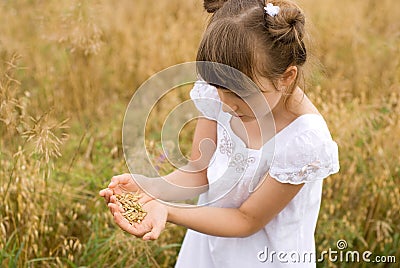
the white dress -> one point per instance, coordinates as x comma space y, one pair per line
303, 152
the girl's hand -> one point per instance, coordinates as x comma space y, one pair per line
152, 224
123, 183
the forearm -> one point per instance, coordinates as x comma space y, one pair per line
224, 222
255, 212
182, 184
188, 176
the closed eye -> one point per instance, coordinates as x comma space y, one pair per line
219, 87
228, 91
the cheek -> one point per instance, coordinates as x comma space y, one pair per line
272, 99
263, 103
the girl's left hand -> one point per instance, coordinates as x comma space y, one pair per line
152, 224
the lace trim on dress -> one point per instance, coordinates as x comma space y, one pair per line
237, 160
306, 158
310, 172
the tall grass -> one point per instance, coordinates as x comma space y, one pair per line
68, 70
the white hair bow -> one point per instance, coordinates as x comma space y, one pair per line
271, 10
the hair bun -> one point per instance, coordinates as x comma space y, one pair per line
213, 5
288, 25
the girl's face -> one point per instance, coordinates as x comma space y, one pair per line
251, 106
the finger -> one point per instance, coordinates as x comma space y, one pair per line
109, 194
154, 233
142, 228
120, 179
111, 209
102, 192
115, 208
125, 225
106, 193
115, 203
113, 199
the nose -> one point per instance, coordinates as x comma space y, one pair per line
229, 107
229, 103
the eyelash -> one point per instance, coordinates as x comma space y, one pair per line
225, 90
230, 92
218, 86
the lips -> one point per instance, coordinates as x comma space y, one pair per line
236, 115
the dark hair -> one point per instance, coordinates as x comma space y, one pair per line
241, 35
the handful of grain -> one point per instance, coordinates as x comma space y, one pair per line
133, 209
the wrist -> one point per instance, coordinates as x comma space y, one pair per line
170, 213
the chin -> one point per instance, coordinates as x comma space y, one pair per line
247, 118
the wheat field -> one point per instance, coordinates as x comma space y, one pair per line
68, 70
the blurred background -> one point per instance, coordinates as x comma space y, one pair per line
68, 70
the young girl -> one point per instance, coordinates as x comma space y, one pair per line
267, 215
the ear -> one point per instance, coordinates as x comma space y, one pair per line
288, 77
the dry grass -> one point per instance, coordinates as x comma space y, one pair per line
63, 98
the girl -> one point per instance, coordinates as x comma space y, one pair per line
267, 216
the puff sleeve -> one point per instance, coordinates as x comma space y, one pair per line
309, 156
206, 99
